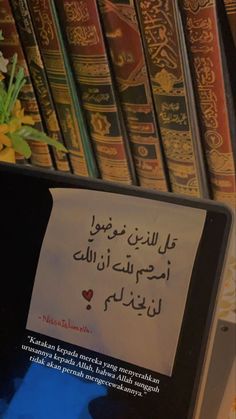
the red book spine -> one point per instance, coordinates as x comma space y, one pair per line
200, 19
9, 46
81, 24
65, 98
39, 79
230, 7
162, 44
120, 23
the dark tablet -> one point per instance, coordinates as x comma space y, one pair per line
45, 376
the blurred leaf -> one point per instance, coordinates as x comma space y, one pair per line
31, 133
20, 145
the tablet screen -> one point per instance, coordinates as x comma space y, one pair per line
107, 300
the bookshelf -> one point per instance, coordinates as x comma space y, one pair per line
127, 153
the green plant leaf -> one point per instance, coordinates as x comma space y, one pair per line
3, 96
31, 133
20, 145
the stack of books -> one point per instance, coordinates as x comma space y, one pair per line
139, 92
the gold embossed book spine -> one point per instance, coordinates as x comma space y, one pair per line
62, 86
39, 80
230, 7
162, 43
9, 46
120, 23
85, 42
202, 36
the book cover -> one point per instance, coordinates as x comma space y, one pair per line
119, 21
230, 7
85, 43
204, 49
62, 86
162, 42
39, 79
9, 46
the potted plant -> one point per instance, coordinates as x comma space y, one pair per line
16, 128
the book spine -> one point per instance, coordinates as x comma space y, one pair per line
39, 79
60, 80
230, 7
9, 46
120, 23
202, 36
85, 42
159, 27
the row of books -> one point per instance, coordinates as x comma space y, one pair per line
140, 92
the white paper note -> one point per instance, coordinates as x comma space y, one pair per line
114, 273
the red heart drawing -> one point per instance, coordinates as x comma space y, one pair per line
87, 294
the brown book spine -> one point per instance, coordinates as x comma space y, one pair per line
159, 27
230, 7
39, 79
9, 46
82, 28
65, 99
200, 22
120, 24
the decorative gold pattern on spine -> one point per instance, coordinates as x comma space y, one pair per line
85, 43
163, 50
195, 5
62, 86
39, 79
204, 49
230, 7
128, 64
